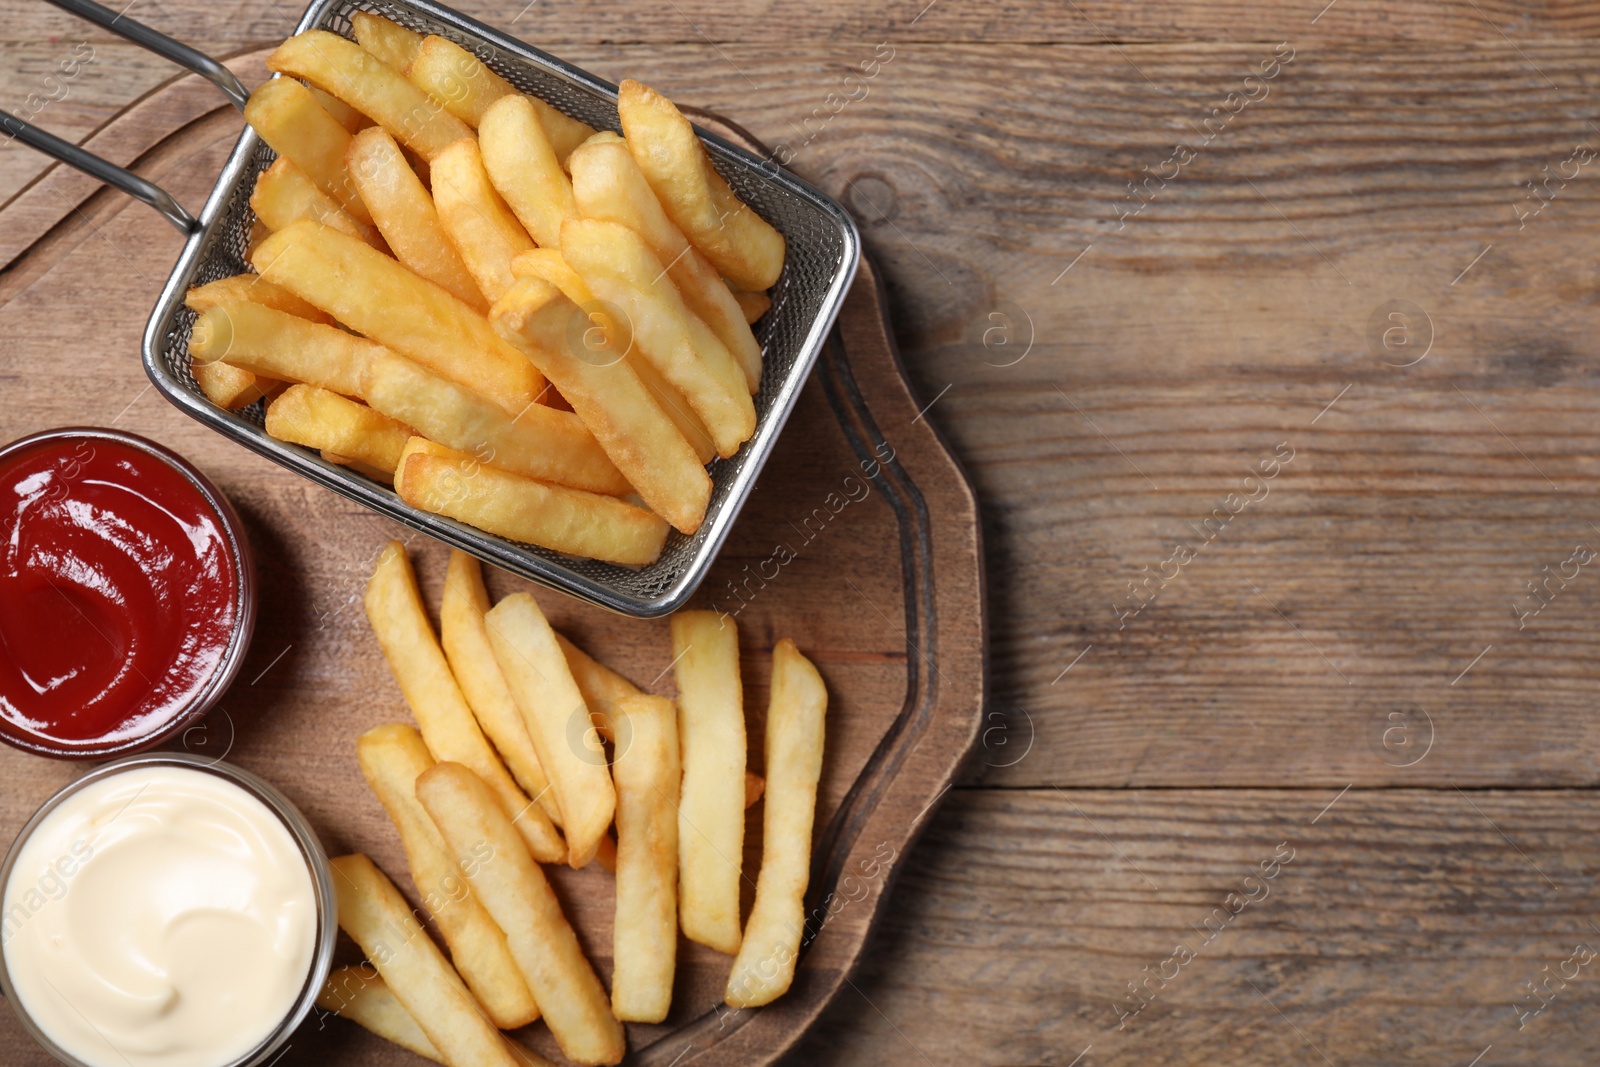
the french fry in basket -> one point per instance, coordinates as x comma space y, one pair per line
405, 214
475, 218
232, 388
284, 194
372, 87
255, 288
514, 890
465, 637
376, 296
552, 446
389, 41
392, 758
347, 116
737, 241
286, 116
765, 965
377, 917
277, 344
606, 394
361, 467
754, 305
394, 608
557, 718
645, 935
359, 994
711, 736
317, 418
621, 270
523, 167
607, 184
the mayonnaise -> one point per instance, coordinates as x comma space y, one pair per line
159, 916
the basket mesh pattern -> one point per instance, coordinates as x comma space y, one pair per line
821, 255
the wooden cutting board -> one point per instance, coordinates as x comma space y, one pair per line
883, 590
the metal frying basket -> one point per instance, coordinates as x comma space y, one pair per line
823, 250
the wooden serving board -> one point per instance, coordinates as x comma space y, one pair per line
884, 590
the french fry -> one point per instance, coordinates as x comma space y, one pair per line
606, 394
450, 73
365, 999
376, 296
522, 509
317, 418
405, 214
392, 758
285, 194
552, 446
252, 287
372, 87
516, 893
394, 608
557, 719
475, 218
232, 388
754, 305
295, 126
347, 116
621, 270
276, 344
737, 241
523, 167
389, 41
465, 637
711, 809
377, 474
645, 935
607, 184
754, 786
764, 968
376, 916
602, 688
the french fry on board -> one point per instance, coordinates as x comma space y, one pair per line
394, 608
475, 218
764, 968
284, 194
389, 41
522, 164
359, 993
392, 758
317, 418
711, 735
514, 890
601, 687
287, 116
276, 344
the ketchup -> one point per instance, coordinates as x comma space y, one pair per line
119, 585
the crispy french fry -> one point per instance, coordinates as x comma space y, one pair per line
252, 287
298, 128
621, 270
738, 242
475, 218
523, 167
557, 719
605, 857
284, 194
405, 214
392, 757
389, 41
277, 344
765, 965
645, 935
754, 786
360, 994
450, 73
376, 296
516, 893
347, 116
394, 608
607, 395
377, 474
377, 917
552, 446
232, 388
607, 184
602, 688
754, 305
711, 809
465, 637
318, 418
372, 87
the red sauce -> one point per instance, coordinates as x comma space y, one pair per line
118, 595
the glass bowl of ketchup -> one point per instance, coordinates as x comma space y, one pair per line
127, 593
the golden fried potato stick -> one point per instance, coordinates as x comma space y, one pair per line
365, 999
645, 935
523, 166
377, 917
394, 608
450, 73
252, 287
754, 305
737, 241
392, 758
376, 296
317, 418
372, 87
389, 41
377, 474
516, 893
232, 388
765, 965
276, 344
405, 214
285, 194
711, 735
347, 116
295, 126
475, 218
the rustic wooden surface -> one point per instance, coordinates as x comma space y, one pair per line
1103, 410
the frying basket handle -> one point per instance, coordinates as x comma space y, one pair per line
104, 170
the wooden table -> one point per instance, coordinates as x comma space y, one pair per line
1282, 765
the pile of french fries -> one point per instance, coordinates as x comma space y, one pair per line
523, 324
509, 768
